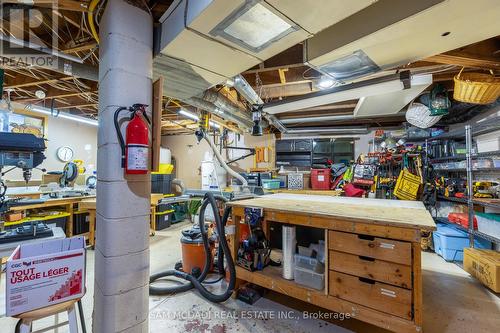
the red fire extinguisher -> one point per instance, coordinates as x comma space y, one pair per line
135, 148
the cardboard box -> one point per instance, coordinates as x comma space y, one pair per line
484, 265
43, 274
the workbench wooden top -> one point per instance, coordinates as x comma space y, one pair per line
52, 202
91, 202
411, 214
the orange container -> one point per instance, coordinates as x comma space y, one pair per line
193, 254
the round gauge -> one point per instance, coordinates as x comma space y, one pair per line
65, 153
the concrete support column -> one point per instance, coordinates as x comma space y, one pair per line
123, 201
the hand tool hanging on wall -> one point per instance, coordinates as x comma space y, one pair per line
135, 147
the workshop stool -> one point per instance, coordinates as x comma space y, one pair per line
26, 319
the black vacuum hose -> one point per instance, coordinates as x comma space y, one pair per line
223, 252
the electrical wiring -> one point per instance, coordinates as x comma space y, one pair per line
90, 16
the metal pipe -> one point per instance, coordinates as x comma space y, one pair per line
39, 48
61, 63
197, 102
245, 89
470, 191
222, 162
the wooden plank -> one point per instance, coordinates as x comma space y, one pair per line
156, 124
271, 279
399, 233
409, 214
417, 285
369, 246
376, 295
378, 270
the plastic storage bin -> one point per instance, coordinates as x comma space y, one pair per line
309, 278
489, 224
320, 179
271, 184
308, 263
449, 242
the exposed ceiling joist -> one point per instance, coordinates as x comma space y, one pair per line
28, 100
39, 82
71, 5
466, 60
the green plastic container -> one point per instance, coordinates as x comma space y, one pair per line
271, 184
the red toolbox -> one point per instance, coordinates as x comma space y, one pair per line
320, 179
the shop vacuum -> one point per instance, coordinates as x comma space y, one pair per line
191, 272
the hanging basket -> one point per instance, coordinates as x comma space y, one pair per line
476, 88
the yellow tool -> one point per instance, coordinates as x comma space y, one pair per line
484, 189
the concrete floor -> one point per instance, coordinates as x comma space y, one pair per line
453, 302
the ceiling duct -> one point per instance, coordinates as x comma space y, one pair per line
391, 33
200, 103
328, 130
237, 34
377, 86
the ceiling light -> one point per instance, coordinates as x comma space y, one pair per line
325, 82
63, 115
253, 26
196, 118
40, 94
350, 67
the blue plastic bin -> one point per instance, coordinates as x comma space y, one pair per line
449, 242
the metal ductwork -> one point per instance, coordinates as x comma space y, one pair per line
317, 119
59, 62
328, 130
245, 89
235, 36
200, 103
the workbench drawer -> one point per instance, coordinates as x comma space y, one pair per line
370, 268
370, 246
379, 296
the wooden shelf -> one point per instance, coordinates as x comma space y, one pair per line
271, 278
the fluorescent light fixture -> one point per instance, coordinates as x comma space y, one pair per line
63, 115
325, 82
350, 67
357, 90
196, 118
253, 26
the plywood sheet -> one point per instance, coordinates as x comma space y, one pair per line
379, 211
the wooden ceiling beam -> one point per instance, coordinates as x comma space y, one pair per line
38, 82
81, 47
70, 5
74, 94
466, 60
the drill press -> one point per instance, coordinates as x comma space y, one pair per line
24, 151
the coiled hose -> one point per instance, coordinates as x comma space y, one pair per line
223, 252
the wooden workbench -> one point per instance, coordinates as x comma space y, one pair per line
90, 206
372, 255
67, 203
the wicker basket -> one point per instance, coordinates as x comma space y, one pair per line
476, 88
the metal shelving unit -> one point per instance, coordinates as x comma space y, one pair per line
474, 232
468, 132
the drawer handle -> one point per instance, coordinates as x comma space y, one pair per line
387, 292
366, 258
388, 246
365, 280
366, 237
